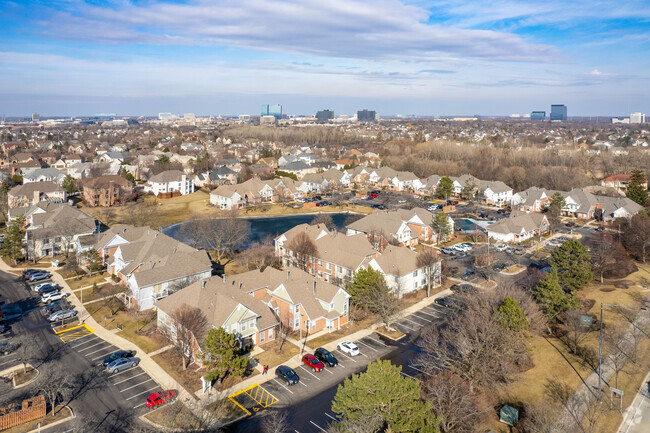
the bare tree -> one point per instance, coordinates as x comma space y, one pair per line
452, 402
186, 328
576, 331
302, 249
275, 421
192, 229
258, 256
617, 348
324, 219
24, 350
382, 301
224, 235
636, 236
56, 385
604, 255
428, 259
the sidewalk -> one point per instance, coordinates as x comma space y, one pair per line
295, 362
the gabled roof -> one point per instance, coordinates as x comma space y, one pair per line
167, 176
397, 261
28, 189
522, 223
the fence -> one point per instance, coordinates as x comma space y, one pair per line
31, 409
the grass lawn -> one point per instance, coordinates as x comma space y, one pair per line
174, 416
226, 411
145, 338
272, 356
102, 291
62, 413
24, 377
79, 282
189, 378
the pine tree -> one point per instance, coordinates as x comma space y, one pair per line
12, 246
635, 189
511, 315
69, 184
382, 393
440, 225
558, 201
573, 264
445, 187
549, 293
363, 283
222, 355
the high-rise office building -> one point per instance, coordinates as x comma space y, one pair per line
366, 116
36, 117
558, 112
164, 116
538, 115
637, 118
274, 110
324, 115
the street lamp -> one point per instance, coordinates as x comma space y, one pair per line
600, 345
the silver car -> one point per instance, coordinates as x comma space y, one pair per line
122, 364
63, 314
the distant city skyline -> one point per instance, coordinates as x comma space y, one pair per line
494, 57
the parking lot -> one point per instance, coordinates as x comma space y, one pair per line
131, 386
311, 398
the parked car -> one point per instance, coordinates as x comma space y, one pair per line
38, 276
312, 362
287, 374
3, 328
500, 247
468, 274
570, 224
519, 251
326, 357
121, 364
55, 306
599, 229
446, 250
48, 297
161, 397
463, 288
38, 287
349, 348
27, 272
6, 348
446, 301
460, 248
500, 267
49, 289
117, 355
61, 315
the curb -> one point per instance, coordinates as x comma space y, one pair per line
55, 423
13, 379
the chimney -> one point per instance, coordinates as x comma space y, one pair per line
203, 284
240, 284
288, 272
224, 277
37, 198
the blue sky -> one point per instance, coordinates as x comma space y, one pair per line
491, 57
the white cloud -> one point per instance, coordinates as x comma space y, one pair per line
358, 29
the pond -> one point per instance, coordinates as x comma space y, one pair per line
467, 225
263, 227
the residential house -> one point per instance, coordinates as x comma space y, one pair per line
31, 193
381, 176
620, 182
494, 193
151, 264
53, 228
112, 157
405, 180
519, 227
226, 306
44, 175
252, 191
299, 168
401, 271
581, 204
170, 183
219, 176
618, 207
464, 182
532, 200
429, 185
106, 191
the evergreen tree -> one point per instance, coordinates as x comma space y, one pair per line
364, 282
69, 184
558, 201
222, 355
382, 393
573, 264
550, 294
12, 246
635, 189
511, 315
445, 187
441, 226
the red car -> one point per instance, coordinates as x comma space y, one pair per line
161, 397
373, 195
313, 362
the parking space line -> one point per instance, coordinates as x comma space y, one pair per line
341, 365
317, 378
424, 318
367, 345
334, 419
101, 356
413, 322
377, 341
276, 381
132, 377
73, 346
121, 372
7, 362
405, 326
346, 355
143, 392
141, 404
328, 370
319, 427
402, 373
300, 382
90, 347
421, 371
137, 384
98, 350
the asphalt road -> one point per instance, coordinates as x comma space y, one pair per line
101, 402
309, 402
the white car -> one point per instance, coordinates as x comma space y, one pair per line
53, 296
501, 247
462, 248
37, 288
349, 348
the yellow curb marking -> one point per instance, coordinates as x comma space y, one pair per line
260, 395
74, 333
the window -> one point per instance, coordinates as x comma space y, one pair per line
297, 310
339, 269
233, 328
243, 327
415, 273
327, 266
320, 263
270, 333
290, 323
424, 281
251, 323
331, 305
415, 285
262, 336
307, 324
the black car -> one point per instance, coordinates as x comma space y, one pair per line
467, 275
3, 328
49, 288
326, 357
6, 348
27, 272
447, 301
287, 374
500, 267
54, 307
117, 355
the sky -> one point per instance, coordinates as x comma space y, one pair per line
211, 57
